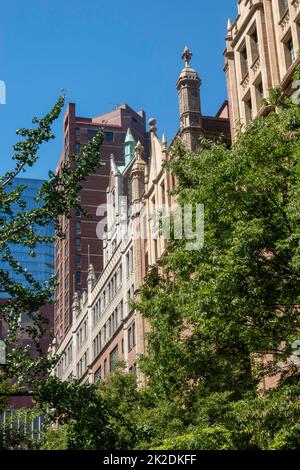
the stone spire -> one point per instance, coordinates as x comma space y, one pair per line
188, 87
137, 174
113, 166
229, 25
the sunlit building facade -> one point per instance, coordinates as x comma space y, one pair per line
262, 46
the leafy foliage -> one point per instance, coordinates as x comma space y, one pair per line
94, 419
17, 434
225, 317
57, 196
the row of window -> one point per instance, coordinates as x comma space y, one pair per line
109, 136
108, 330
108, 294
254, 52
81, 365
113, 360
81, 335
289, 49
64, 361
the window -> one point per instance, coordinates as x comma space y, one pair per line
78, 226
77, 148
120, 276
109, 327
127, 264
248, 109
78, 243
155, 249
128, 302
283, 7
78, 213
113, 358
131, 260
254, 45
290, 54
98, 375
105, 367
91, 133
77, 133
113, 322
109, 136
131, 336
244, 61
121, 310
67, 140
78, 277
259, 94
84, 362
97, 346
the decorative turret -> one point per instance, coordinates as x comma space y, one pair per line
114, 170
137, 174
129, 147
91, 278
188, 87
75, 305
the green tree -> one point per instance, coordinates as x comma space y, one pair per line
57, 196
91, 416
217, 312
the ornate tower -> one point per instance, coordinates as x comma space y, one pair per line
129, 144
188, 86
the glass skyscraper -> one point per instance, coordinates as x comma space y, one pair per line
40, 266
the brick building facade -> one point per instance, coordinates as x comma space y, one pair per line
81, 242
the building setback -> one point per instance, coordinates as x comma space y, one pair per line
261, 53
81, 241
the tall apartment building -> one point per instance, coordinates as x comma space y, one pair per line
261, 52
81, 242
105, 328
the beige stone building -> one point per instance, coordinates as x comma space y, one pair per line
105, 329
261, 52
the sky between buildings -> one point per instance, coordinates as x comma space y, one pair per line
105, 53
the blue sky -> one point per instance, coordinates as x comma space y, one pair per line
104, 53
